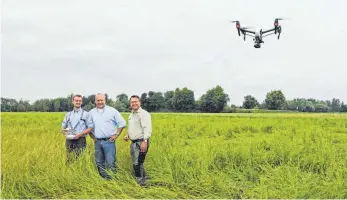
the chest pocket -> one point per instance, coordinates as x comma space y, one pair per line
134, 119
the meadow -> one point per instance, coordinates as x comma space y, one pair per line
272, 155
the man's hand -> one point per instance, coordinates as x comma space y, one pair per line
143, 146
126, 137
113, 138
77, 136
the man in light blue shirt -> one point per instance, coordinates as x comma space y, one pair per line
78, 123
108, 125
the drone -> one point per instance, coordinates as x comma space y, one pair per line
258, 34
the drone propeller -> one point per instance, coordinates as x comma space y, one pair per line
237, 26
277, 25
237, 23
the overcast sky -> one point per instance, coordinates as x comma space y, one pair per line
54, 48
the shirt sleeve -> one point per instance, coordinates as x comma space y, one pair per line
89, 121
146, 123
64, 123
119, 119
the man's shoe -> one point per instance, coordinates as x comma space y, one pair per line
142, 183
148, 177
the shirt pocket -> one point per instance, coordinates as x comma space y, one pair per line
131, 119
110, 122
134, 119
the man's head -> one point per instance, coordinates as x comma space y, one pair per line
100, 100
135, 102
77, 100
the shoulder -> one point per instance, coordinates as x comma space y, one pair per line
86, 113
145, 113
67, 113
143, 110
92, 111
112, 109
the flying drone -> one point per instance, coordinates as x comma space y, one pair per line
258, 34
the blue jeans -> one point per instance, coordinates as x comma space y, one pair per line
105, 157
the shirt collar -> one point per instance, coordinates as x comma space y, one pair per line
138, 110
78, 110
102, 109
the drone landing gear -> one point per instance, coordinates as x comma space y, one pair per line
279, 32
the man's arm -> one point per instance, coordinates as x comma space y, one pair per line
146, 123
120, 122
90, 126
64, 124
85, 132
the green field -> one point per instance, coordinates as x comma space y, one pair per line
270, 155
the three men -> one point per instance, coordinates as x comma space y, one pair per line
139, 132
79, 121
108, 125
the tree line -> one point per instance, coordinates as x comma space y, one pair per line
215, 100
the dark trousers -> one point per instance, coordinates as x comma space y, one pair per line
138, 159
74, 149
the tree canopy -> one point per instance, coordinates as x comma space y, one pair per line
215, 100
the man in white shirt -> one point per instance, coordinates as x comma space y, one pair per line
139, 132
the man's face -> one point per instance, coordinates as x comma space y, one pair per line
100, 101
135, 103
77, 102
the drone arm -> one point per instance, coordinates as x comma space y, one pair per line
266, 31
249, 35
244, 30
268, 34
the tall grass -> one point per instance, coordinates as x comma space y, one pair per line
191, 156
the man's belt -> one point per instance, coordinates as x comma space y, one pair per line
137, 140
102, 139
